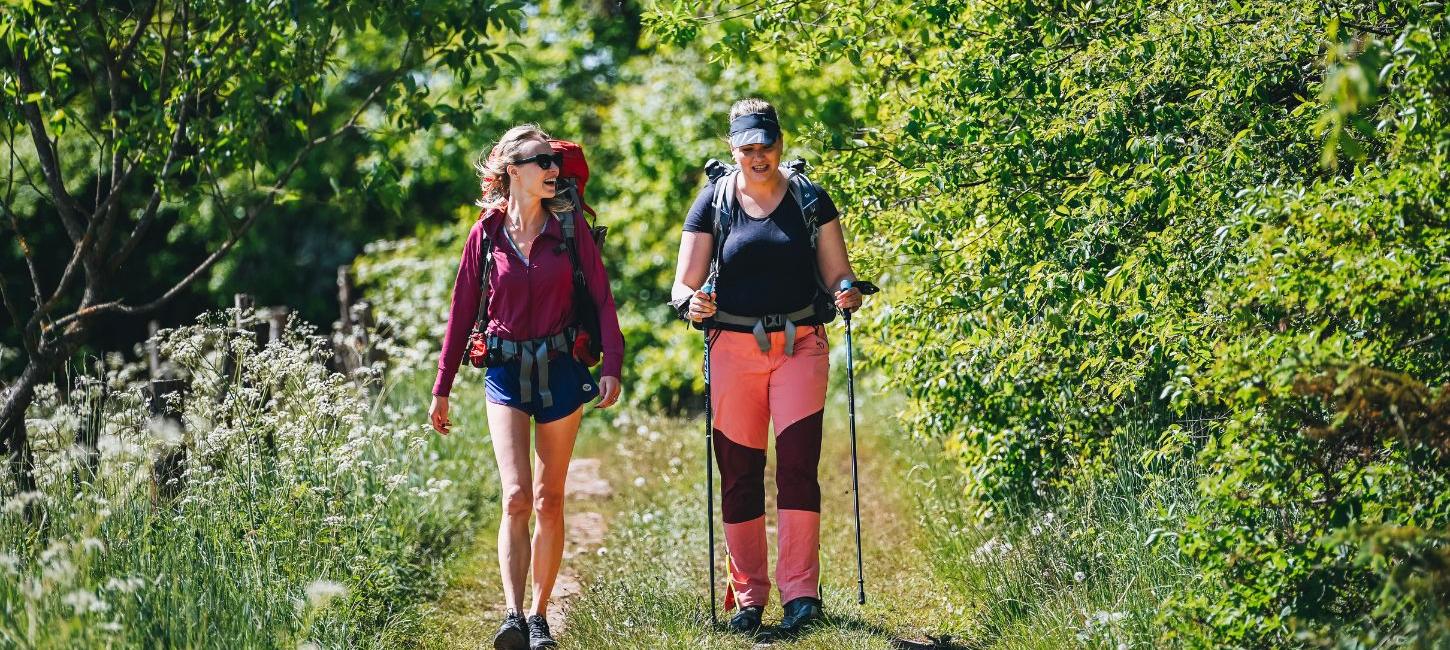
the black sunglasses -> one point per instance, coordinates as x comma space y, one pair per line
545, 160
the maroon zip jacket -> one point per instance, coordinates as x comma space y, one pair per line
528, 301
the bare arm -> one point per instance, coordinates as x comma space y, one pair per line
691, 272
694, 263
831, 255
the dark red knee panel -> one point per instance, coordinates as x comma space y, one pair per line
742, 480
798, 454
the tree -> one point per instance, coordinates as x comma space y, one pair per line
115, 112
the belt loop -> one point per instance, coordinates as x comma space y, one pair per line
789, 337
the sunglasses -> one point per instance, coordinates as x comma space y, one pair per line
545, 160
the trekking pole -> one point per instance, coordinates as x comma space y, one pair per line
866, 289
709, 287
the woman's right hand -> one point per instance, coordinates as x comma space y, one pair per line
702, 305
438, 414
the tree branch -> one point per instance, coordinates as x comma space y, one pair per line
149, 214
119, 307
142, 23
45, 149
113, 90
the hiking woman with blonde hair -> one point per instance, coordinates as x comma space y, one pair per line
526, 330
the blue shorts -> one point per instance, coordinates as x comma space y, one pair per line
569, 381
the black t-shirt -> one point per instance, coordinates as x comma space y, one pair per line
767, 266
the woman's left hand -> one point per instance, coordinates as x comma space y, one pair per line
609, 390
849, 299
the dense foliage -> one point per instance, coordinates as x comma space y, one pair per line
1204, 235
1167, 281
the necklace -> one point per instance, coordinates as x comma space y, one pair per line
517, 228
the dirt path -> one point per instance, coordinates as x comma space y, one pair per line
472, 605
583, 531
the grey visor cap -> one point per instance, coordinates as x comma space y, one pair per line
752, 136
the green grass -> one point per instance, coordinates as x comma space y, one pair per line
331, 534
649, 587
1092, 573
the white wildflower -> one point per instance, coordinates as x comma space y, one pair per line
84, 601
321, 592
17, 503
125, 585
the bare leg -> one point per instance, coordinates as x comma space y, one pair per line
555, 444
509, 429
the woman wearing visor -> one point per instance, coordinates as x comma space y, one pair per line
769, 243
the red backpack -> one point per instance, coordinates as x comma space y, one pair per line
587, 347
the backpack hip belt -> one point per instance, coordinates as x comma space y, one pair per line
759, 325
535, 353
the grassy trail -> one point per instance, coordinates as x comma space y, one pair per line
645, 585
650, 588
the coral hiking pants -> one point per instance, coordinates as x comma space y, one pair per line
749, 389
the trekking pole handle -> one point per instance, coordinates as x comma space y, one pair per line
866, 289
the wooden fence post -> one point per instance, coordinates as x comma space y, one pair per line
88, 434
344, 294
168, 472
153, 351
277, 322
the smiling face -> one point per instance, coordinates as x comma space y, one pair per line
758, 162
530, 179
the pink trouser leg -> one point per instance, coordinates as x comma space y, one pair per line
749, 388
797, 403
738, 397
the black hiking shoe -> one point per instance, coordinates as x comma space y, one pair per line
539, 633
799, 614
513, 634
747, 620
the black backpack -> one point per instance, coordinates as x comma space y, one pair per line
806, 194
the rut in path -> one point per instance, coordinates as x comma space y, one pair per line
583, 531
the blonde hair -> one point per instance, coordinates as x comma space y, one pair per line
752, 105
492, 168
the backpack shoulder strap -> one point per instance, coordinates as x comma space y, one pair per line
723, 203
486, 250
806, 194
566, 220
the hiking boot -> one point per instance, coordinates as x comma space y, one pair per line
800, 614
513, 634
747, 620
539, 633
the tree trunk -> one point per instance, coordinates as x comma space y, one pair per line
12, 421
